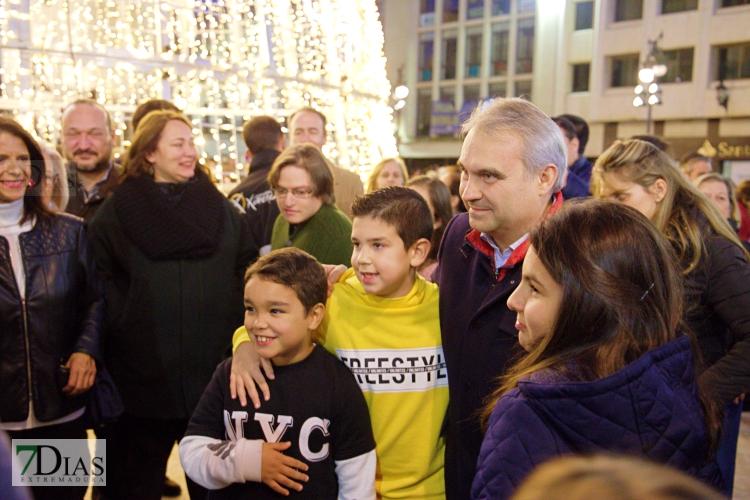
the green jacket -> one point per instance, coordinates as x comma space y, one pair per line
326, 236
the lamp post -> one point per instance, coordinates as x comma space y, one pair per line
647, 92
400, 93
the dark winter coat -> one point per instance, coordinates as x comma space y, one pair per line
718, 312
170, 318
62, 313
648, 409
479, 339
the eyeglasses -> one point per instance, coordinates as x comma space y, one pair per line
297, 193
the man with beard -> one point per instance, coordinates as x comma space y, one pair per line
88, 138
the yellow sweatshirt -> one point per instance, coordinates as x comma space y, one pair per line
394, 350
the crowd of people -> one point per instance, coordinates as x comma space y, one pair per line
440, 336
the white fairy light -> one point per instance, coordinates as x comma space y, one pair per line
220, 61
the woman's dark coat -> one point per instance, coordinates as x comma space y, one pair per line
62, 313
170, 320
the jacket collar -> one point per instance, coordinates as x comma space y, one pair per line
474, 238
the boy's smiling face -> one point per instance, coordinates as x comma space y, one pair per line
277, 322
382, 264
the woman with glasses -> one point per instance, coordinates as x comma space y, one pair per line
172, 252
302, 181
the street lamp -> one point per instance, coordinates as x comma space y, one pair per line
400, 93
647, 92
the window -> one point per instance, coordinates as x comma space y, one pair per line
584, 15
526, 5
424, 112
448, 94
500, 7
734, 62
734, 3
499, 49
426, 53
525, 49
627, 10
499, 89
427, 12
669, 6
523, 89
624, 71
679, 66
581, 77
450, 11
473, 55
475, 9
450, 40
471, 93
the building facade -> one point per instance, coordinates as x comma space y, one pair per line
574, 56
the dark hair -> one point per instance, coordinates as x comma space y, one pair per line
146, 140
582, 130
308, 109
92, 103
296, 270
33, 205
402, 208
622, 295
568, 128
145, 108
652, 139
262, 132
743, 193
440, 197
309, 157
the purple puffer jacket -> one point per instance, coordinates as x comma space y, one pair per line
648, 409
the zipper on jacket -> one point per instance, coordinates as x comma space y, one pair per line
25, 324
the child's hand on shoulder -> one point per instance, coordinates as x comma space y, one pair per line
277, 470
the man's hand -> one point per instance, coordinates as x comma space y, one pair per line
333, 273
82, 373
246, 365
277, 470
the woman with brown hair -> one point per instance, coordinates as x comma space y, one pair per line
51, 306
171, 250
301, 179
599, 310
713, 264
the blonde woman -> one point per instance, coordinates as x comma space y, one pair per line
720, 191
55, 192
714, 266
389, 172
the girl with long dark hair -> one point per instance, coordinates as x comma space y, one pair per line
599, 310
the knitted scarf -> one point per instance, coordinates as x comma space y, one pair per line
166, 230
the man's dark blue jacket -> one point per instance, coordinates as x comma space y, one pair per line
479, 338
648, 409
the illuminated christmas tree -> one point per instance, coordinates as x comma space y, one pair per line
221, 61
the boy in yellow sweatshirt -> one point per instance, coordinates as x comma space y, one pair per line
382, 321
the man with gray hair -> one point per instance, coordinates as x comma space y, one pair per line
512, 163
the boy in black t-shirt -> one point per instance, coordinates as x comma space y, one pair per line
314, 431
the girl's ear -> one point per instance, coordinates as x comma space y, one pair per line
315, 316
658, 190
